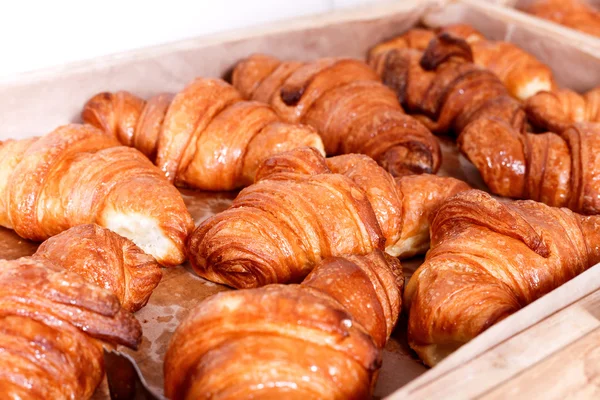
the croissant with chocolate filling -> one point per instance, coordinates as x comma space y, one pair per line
576, 14
52, 326
488, 259
557, 110
304, 208
559, 170
106, 259
346, 102
444, 88
204, 137
78, 174
322, 339
521, 73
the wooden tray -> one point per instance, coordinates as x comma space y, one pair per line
523, 355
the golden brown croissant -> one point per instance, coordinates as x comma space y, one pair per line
557, 110
444, 88
77, 175
304, 208
204, 137
318, 340
559, 170
521, 73
488, 259
344, 100
52, 325
576, 14
106, 259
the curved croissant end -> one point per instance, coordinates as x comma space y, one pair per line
297, 341
107, 260
204, 137
479, 270
98, 180
557, 110
346, 103
559, 170
52, 324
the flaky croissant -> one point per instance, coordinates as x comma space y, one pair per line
106, 259
318, 340
78, 174
444, 89
344, 100
559, 170
488, 259
557, 110
304, 208
521, 73
576, 14
52, 325
204, 137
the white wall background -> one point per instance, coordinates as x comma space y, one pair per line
46, 33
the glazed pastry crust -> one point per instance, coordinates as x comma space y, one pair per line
556, 110
106, 259
521, 73
314, 340
304, 208
52, 322
559, 170
488, 259
79, 175
344, 100
204, 137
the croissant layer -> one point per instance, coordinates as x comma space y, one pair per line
204, 137
312, 340
304, 208
107, 260
488, 259
79, 175
52, 322
346, 103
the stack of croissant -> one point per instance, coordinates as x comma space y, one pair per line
335, 161
62, 305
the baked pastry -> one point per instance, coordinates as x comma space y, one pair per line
52, 326
488, 259
521, 73
344, 100
318, 340
444, 89
559, 170
105, 259
78, 174
304, 208
204, 137
576, 14
556, 110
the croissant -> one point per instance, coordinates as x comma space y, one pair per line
319, 340
521, 73
488, 259
345, 101
557, 110
576, 14
444, 88
304, 208
205, 137
52, 325
559, 170
105, 259
77, 175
